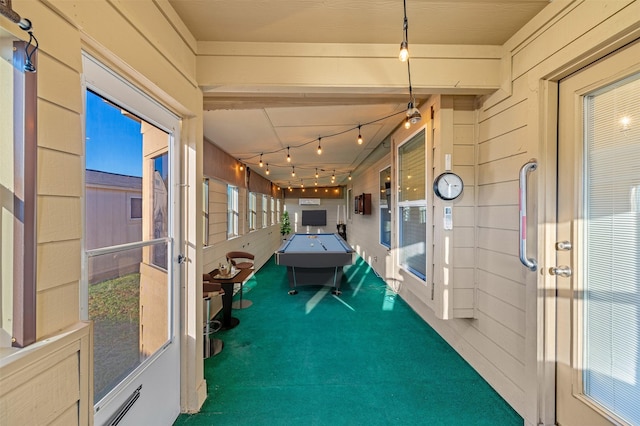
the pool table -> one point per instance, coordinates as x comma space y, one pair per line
314, 259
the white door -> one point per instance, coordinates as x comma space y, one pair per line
598, 243
130, 278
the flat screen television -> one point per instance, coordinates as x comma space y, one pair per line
314, 218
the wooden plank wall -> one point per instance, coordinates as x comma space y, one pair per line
464, 235
49, 382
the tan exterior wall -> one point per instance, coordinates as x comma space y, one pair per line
120, 35
262, 242
489, 141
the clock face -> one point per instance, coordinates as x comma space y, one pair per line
448, 186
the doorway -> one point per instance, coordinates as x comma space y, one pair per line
130, 276
598, 240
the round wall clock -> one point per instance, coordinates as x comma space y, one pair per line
448, 186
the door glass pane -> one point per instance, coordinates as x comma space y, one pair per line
611, 270
126, 201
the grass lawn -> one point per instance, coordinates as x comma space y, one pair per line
114, 307
116, 300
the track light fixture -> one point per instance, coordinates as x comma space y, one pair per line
359, 135
404, 46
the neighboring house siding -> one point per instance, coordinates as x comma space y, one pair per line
107, 194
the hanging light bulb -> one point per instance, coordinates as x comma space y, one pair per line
241, 167
407, 123
319, 147
316, 173
288, 156
404, 51
268, 169
260, 159
404, 46
333, 176
293, 170
301, 183
316, 183
349, 175
359, 136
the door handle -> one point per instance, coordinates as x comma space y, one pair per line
564, 245
524, 173
561, 271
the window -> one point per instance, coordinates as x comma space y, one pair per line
233, 213
385, 207
278, 214
136, 208
412, 205
17, 195
265, 207
205, 212
610, 265
252, 211
272, 210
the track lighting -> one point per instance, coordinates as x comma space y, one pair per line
319, 147
359, 136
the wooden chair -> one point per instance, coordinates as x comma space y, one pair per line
241, 260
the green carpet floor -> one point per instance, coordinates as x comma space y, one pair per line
363, 358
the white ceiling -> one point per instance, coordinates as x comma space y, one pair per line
269, 128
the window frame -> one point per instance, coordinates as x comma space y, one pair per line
265, 211
421, 203
233, 211
205, 211
385, 205
252, 211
